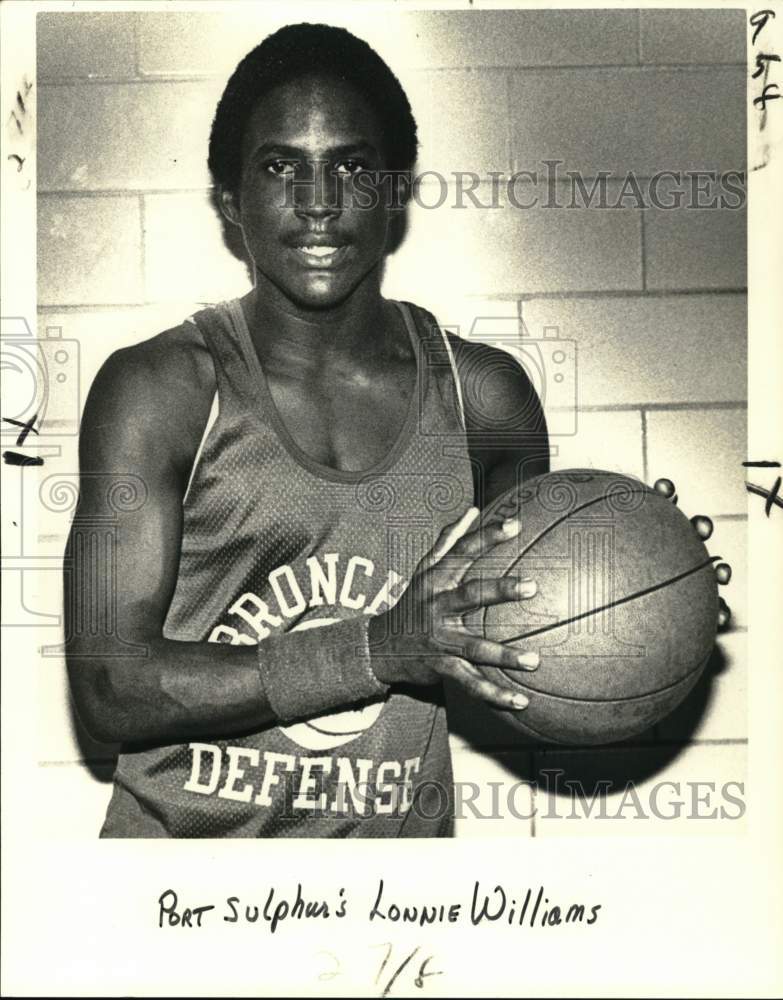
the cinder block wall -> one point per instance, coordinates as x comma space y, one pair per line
654, 300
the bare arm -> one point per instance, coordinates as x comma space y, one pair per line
142, 410
506, 427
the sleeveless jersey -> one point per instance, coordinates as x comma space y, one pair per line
272, 541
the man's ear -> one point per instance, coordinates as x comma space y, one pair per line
229, 205
402, 189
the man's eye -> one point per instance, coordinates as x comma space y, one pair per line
347, 167
281, 168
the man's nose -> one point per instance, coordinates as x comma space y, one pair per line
318, 193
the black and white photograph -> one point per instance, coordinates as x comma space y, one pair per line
391, 451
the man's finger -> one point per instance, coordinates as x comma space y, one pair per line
470, 546
451, 534
475, 649
481, 593
723, 573
485, 690
477, 542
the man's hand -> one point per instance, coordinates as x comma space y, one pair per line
703, 528
422, 638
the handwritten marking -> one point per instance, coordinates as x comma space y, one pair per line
400, 968
388, 946
27, 426
772, 496
16, 122
423, 974
763, 61
761, 100
762, 67
14, 458
419, 981
759, 22
327, 975
173, 917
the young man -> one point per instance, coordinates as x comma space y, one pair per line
305, 467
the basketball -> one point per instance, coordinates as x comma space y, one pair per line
625, 615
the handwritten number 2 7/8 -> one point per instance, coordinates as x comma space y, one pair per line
386, 983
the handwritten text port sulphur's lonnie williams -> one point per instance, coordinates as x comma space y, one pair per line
525, 906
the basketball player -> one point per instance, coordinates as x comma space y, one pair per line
309, 458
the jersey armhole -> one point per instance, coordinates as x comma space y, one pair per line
455, 374
432, 323
214, 412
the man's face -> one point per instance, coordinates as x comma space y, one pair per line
306, 146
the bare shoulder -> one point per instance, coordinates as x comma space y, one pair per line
474, 357
496, 389
174, 360
162, 386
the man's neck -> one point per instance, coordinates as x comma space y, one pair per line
286, 335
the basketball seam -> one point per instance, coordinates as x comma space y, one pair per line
537, 732
610, 701
613, 604
575, 510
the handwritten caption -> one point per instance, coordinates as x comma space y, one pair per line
529, 907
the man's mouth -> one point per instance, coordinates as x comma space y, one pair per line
321, 256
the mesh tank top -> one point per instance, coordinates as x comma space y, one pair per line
271, 536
